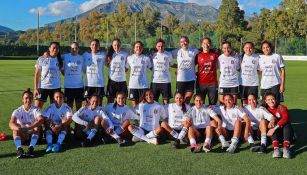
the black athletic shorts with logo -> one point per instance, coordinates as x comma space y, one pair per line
44, 93
74, 94
246, 90
136, 94
231, 90
114, 87
211, 90
185, 86
274, 90
161, 88
90, 91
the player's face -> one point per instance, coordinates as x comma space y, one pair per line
266, 49
74, 49
160, 47
116, 46
138, 49
58, 98
27, 99
178, 99
121, 100
270, 101
94, 46
94, 102
206, 46
184, 44
248, 49
53, 50
226, 49
149, 97
252, 101
228, 101
198, 102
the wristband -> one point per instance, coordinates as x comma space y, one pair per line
276, 127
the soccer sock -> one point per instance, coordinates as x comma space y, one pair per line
263, 139
174, 134
138, 133
275, 144
119, 130
152, 134
92, 134
61, 137
192, 141
234, 141
17, 142
183, 133
208, 141
86, 131
114, 135
49, 137
286, 144
222, 139
34, 139
250, 139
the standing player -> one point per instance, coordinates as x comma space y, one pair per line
282, 130
58, 118
116, 60
47, 75
206, 75
201, 116
26, 121
177, 124
138, 81
150, 113
73, 82
186, 69
259, 116
94, 70
228, 64
273, 71
232, 118
161, 77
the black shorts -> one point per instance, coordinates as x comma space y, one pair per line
136, 94
44, 93
185, 86
246, 90
274, 90
115, 87
211, 90
231, 90
74, 94
90, 91
161, 88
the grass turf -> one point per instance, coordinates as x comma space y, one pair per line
142, 158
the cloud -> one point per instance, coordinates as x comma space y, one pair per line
90, 4
63, 8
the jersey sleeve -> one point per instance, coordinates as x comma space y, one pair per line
211, 112
266, 114
47, 112
106, 118
149, 62
37, 113
284, 116
15, 114
240, 113
281, 61
68, 111
76, 117
162, 112
39, 63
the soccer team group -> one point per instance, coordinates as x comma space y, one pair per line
147, 120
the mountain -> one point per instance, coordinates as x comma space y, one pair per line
6, 30
185, 12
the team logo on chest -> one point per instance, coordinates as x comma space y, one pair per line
155, 111
143, 62
78, 62
232, 62
254, 62
122, 58
99, 60
212, 58
124, 114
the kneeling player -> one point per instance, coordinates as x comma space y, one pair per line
201, 124
177, 124
58, 118
150, 113
26, 121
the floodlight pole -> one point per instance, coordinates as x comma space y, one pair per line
76, 29
37, 34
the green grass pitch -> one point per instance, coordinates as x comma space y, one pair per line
142, 158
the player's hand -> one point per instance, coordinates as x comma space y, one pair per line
46, 54
271, 124
270, 132
282, 89
108, 61
57, 129
36, 93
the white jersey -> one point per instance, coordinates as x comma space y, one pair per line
257, 114
86, 115
150, 115
26, 118
56, 115
228, 67
138, 73
186, 64
72, 67
50, 77
229, 116
161, 64
94, 69
249, 68
117, 69
270, 67
201, 117
176, 115
119, 115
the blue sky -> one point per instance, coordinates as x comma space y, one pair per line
20, 14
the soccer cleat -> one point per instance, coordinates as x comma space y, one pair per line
206, 147
231, 149
225, 145
20, 153
49, 149
121, 142
286, 153
195, 148
253, 147
135, 139
56, 148
262, 148
276, 153
30, 152
176, 144
86, 143
153, 141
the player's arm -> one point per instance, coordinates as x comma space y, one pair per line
39, 122
13, 124
282, 79
36, 80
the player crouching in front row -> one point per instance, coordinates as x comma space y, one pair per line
26, 121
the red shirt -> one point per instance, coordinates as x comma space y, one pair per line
281, 113
206, 68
